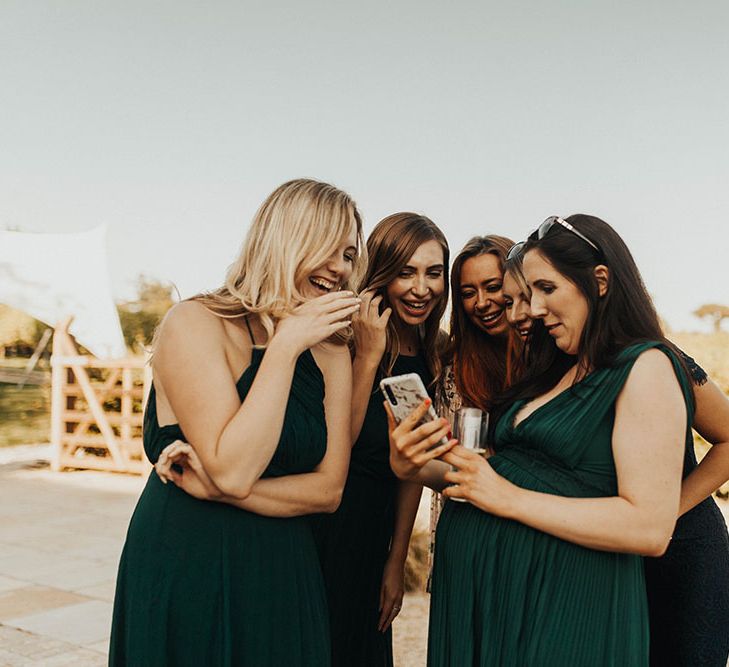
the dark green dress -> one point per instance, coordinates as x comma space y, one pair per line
354, 542
507, 594
204, 583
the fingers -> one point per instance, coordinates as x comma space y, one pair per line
411, 421
373, 308
390, 609
424, 437
453, 492
391, 423
384, 318
175, 452
333, 297
364, 307
435, 452
463, 458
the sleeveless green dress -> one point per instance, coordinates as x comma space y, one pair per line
354, 541
506, 594
204, 583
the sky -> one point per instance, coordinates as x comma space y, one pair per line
170, 122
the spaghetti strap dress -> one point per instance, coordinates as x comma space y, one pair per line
506, 594
205, 583
688, 587
354, 541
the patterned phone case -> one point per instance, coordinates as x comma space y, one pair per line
408, 392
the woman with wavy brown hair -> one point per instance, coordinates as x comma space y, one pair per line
363, 546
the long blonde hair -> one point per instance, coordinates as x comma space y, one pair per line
391, 244
293, 233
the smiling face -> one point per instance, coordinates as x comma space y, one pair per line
338, 268
516, 302
419, 286
556, 301
481, 293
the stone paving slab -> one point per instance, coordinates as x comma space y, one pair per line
83, 623
33, 599
21, 649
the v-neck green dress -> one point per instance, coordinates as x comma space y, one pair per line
506, 594
205, 583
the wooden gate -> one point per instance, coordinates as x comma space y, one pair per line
96, 409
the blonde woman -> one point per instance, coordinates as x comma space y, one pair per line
220, 567
363, 546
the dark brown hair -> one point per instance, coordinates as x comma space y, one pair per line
623, 316
389, 247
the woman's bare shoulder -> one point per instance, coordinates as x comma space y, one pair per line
332, 357
187, 327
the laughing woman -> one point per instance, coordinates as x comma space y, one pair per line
363, 546
254, 378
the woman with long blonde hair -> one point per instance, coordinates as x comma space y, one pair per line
220, 566
363, 546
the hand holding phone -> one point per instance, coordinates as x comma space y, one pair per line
404, 393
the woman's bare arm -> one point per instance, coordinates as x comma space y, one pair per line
236, 441
648, 443
712, 422
320, 490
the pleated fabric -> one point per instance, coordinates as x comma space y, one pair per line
506, 594
204, 583
354, 542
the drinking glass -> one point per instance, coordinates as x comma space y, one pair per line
470, 428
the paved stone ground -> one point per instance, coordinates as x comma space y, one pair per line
60, 539
61, 535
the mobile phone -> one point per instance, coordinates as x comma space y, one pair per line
404, 393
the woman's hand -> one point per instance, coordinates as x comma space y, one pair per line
412, 446
193, 479
316, 320
370, 327
391, 592
477, 482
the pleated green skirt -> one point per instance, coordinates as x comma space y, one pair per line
505, 594
202, 583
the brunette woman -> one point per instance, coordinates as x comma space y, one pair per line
688, 587
363, 546
543, 566
255, 378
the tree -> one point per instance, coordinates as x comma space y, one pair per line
139, 318
715, 312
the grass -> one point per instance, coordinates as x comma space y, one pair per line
25, 414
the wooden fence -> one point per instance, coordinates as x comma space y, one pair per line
96, 409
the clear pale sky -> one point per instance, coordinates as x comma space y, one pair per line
171, 122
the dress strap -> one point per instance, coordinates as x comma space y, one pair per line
250, 331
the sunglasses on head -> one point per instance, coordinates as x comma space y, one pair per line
542, 231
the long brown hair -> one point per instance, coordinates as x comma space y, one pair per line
391, 244
482, 364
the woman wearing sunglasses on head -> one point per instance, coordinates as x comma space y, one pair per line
542, 565
688, 587
363, 546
